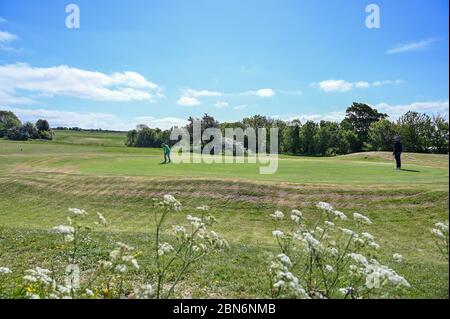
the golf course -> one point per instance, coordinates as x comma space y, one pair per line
94, 171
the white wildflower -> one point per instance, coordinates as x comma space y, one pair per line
329, 224
121, 268
340, 215
89, 293
362, 218
333, 251
438, 233
144, 292
349, 232
102, 219
203, 208
368, 236
397, 258
195, 221
311, 240
277, 234
105, 264
443, 227
78, 212
285, 260
329, 268
164, 248
324, 206
358, 258
277, 215
5, 270
114, 254
64, 230
171, 201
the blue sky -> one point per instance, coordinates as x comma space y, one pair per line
158, 62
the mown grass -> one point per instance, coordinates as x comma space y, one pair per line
40, 180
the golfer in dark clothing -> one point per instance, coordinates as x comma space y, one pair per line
398, 148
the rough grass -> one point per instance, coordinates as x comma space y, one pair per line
40, 180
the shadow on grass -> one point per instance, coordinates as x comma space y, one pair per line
409, 170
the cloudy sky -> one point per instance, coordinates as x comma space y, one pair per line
158, 62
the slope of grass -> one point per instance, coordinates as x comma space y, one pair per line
40, 180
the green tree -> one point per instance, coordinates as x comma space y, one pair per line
8, 120
381, 135
308, 137
440, 135
42, 125
360, 116
291, 138
416, 131
31, 130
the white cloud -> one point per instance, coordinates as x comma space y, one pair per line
92, 120
395, 111
261, 93
221, 104
345, 86
412, 46
362, 85
66, 81
188, 101
6, 36
201, 93
240, 107
334, 85
162, 123
332, 116
190, 97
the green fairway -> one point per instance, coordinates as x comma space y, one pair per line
39, 181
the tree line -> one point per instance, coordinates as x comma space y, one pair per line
12, 128
363, 129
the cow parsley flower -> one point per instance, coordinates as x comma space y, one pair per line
443, 227
277, 234
277, 215
203, 208
172, 202
325, 206
38, 274
63, 230
285, 260
329, 224
143, 292
349, 232
121, 268
438, 233
340, 215
78, 212
102, 219
195, 221
368, 236
5, 270
333, 251
164, 248
358, 258
296, 216
362, 218
397, 258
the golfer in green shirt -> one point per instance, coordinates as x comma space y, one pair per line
166, 149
